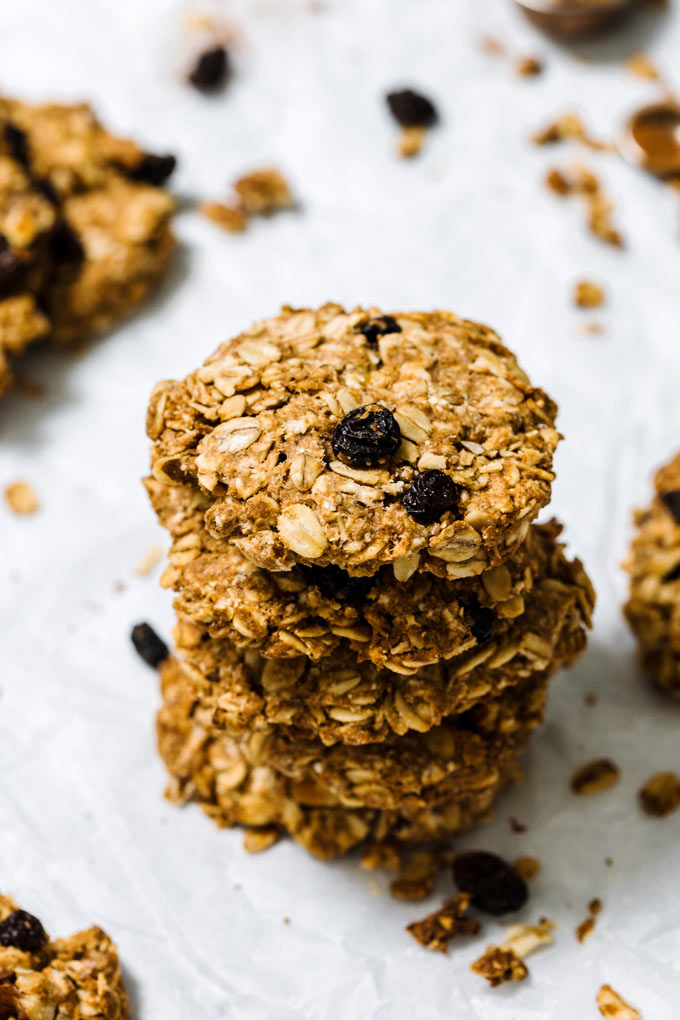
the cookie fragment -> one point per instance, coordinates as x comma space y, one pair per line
21, 498
588, 294
595, 777
614, 1006
660, 795
448, 922
499, 966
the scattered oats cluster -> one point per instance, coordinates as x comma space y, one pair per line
367, 614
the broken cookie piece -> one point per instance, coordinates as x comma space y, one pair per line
499, 966
76, 978
448, 922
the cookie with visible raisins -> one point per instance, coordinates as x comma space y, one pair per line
653, 607
75, 978
361, 440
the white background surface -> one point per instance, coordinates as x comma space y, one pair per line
84, 833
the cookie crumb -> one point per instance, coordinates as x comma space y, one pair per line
148, 561
415, 880
264, 192
499, 966
586, 927
411, 141
528, 67
558, 182
660, 796
21, 498
609, 862
613, 1006
592, 329
260, 838
524, 939
231, 218
569, 127
448, 922
527, 867
590, 699
595, 777
642, 66
599, 207
588, 294
492, 46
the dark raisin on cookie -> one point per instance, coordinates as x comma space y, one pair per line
482, 622
65, 245
22, 931
211, 69
12, 267
411, 109
17, 143
148, 645
380, 326
335, 583
494, 885
672, 502
153, 169
366, 437
432, 493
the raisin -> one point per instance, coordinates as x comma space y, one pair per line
65, 245
23, 931
672, 502
493, 884
375, 328
335, 583
411, 109
47, 190
17, 143
211, 69
432, 493
12, 267
153, 169
482, 622
366, 437
148, 645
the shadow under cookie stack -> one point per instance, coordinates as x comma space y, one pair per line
368, 618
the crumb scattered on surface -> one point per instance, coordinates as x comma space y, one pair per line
642, 66
586, 927
609, 862
660, 796
499, 966
21, 498
528, 867
569, 127
448, 922
590, 699
592, 329
411, 141
230, 217
613, 1006
524, 939
588, 294
584, 184
416, 876
260, 193
149, 560
492, 46
414, 113
594, 777
528, 67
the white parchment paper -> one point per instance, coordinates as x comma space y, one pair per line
85, 835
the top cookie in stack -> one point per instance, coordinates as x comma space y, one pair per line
350, 498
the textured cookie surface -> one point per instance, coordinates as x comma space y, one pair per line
76, 978
341, 698
361, 440
653, 609
84, 227
234, 782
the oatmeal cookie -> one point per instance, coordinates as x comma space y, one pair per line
342, 699
214, 769
310, 611
84, 226
653, 609
361, 440
76, 978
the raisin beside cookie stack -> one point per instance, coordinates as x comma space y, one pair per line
368, 618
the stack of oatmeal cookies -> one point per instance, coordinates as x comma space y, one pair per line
368, 617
